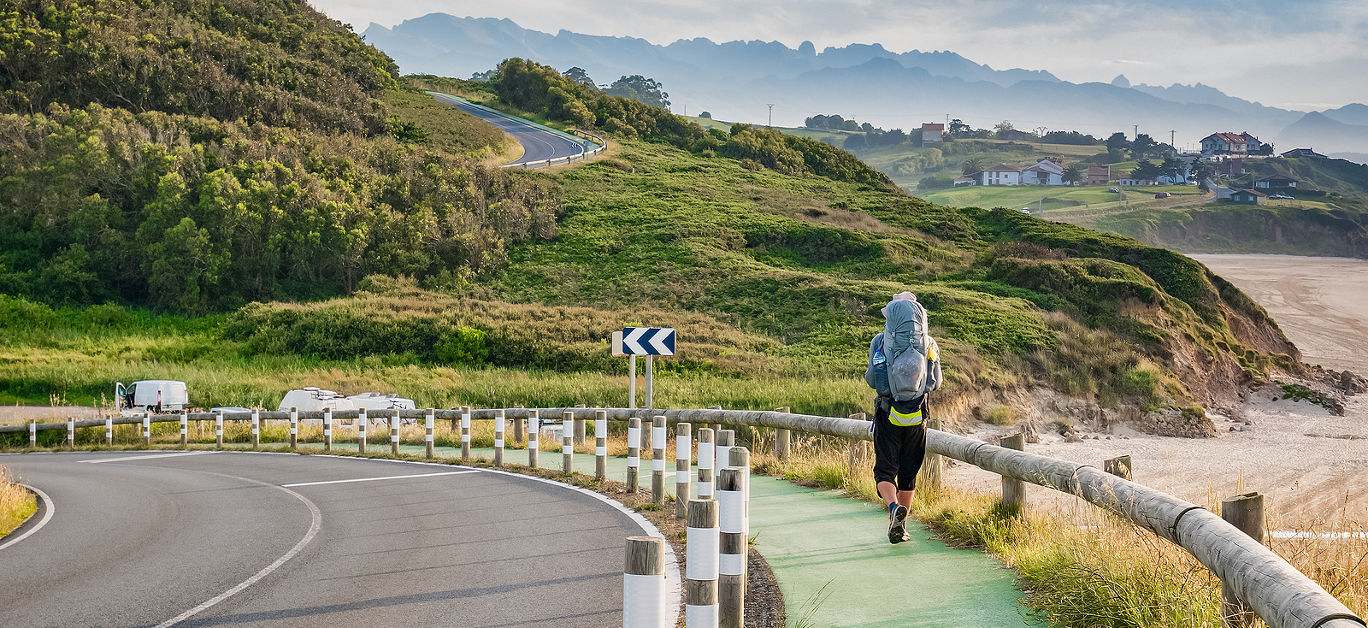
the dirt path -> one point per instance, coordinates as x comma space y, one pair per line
1312, 465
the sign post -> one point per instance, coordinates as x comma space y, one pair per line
650, 342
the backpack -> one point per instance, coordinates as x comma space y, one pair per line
912, 357
876, 374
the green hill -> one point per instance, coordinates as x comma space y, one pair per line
352, 237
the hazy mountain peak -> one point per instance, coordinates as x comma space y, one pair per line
806, 49
1121, 81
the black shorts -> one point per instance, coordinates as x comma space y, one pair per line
898, 450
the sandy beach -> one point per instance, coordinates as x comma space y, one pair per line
1311, 465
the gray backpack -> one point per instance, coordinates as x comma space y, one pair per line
912, 357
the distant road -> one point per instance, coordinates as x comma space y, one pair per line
140, 538
539, 143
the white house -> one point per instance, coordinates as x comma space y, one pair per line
1001, 174
1133, 182
932, 132
1043, 172
960, 182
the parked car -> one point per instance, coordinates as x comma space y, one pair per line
1113, 189
151, 395
1280, 197
1163, 195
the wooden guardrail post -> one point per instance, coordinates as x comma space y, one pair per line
71, 433
731, 583
499, 439
933, 466
294, 427
394, 432
706, 451
256, 428
109, 432
658, 460
218, 429
1013, 490
429, 424
858, 448
361, 421
327, 429
581, 428
568, 441
147, 427
725, 440
465, 435
781, 439
533, 436
740, 459
601, 445
633, 454
683, 456
643, 584
701, 568
1245, 512
519, 429
1119, 466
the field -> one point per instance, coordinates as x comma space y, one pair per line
1088, 198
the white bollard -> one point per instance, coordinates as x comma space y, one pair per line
706, 450
109, 430
633, 453
740, 459
731, 506
33, 431
498, 437
657, 459
71, 433
327, 429
218, 429
256, 428
429, 423
147, 428
361, 421
725, 440
294, 427
394, 433
567, 441
185, 428
601, 445
683, 456
701, 565
533, 445
465, 433
643, 584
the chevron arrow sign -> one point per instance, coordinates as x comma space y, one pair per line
646, 341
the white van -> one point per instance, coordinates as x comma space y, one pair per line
151, 395
314, 399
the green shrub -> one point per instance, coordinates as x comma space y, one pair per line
463, 346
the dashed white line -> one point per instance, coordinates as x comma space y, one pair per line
387, 477
147, 457
48, 509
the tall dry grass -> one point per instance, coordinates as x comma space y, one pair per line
17, 504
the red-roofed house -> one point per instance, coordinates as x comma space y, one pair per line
1225, 144
1001, 174
1097, 175
932, 132
1043, 172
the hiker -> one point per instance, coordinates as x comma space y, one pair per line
904, 367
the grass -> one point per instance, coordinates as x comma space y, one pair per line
1086, 198
445, 126
17, 504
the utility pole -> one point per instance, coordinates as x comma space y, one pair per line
1135, 132
1171, 145
771, 116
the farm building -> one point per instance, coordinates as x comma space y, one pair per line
1249, 197
1097, 175
932, 132
1043, 172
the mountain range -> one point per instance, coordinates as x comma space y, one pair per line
738, 80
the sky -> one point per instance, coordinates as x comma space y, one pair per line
1296, 54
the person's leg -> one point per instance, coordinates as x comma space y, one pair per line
889, 493
912, 454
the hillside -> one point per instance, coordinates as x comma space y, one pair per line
250, 257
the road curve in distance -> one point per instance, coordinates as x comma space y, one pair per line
141, 539
538, 143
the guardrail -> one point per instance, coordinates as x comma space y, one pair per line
1280, 594
542, 163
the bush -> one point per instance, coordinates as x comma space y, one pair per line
464, 346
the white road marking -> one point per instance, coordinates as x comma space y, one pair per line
148, 457
388, 477
314, 525
48, 508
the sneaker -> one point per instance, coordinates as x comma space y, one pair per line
897, 525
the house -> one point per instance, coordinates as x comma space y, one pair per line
1252, 144
1225, 144
1043, 172
1303, 152
1134, 182
1097, 175
1275, 183
961, 182
1230, 167
1249, 197
932, 132
1001, 174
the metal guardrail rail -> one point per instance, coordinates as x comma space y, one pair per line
1280, 594
542, 163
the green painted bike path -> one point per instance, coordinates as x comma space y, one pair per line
832, 557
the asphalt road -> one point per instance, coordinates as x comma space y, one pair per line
142, 538
538, 144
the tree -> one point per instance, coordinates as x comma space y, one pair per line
706, 114
578, 75
1003, 127
1145, 170
1202, 170
972, 165
1143, 146
1171, 167
958, 126
1072, 174
1116, 143
640, 89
